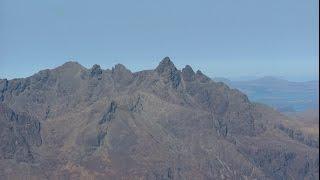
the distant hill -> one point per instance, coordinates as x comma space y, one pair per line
285, 96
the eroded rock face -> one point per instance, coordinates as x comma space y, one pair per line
170, 73
201, 77
3, 88
278, 162
121, 75
188, 73
299, 136
19, 135
109, 114
96, 71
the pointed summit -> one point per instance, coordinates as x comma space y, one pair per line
120, 68
188, 73
169, 72
95, 70
121, 74
164, 65
201, 77
199, 72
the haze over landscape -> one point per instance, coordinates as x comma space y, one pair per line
228, 39
283, 95
88, 90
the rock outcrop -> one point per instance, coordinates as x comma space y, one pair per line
19, 135
169, 72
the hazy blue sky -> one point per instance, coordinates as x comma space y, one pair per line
229, 38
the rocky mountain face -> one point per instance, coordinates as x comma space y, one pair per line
76, 123
19, 134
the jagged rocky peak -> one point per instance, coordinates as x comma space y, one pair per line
95, 70
201, 77
169, 72
120, 68
199, 73
121, 74
188, 73
165, 65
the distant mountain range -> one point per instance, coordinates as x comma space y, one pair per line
281, 94
73, 122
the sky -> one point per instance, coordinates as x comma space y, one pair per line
223, 38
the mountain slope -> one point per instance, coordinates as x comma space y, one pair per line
153, 124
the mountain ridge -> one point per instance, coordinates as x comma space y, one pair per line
153, 124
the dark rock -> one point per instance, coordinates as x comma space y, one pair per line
136, 104
169, 72
165, 65
221, 127
104, 122
3, 88
96, 71
20, 133
110, 113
